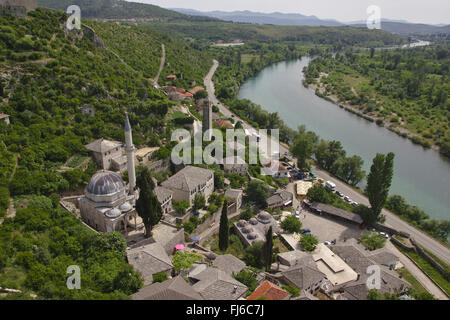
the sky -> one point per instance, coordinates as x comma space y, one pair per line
419, 11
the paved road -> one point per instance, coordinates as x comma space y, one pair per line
391, 220
417, 273
161, 67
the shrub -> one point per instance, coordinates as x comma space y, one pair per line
309, 242
291, 224
160, 277
373, 241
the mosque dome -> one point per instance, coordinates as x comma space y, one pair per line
247, 230
113, 213
252, 236
264, 217
253, 221
125, 207
242, 223
105, 183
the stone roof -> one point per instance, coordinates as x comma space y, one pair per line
228, 263
291, 258
233, 193
105, 183
173, 289
304, 274
270, 292
340, 213
353, 257
384, 258
188, 178
149, 259
214, 284
357, 290
281, 196
102, 145
162, 194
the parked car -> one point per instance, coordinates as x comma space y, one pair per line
305, 231
340, 194
355, 204
327, 243
347, 198
384, 235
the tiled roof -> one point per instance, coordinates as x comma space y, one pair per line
270, 292
353, 257
282, 196
102, 145
149, 259
214, 284
384, 257
337, 212
228, 263
173, 289
188, 178
196, 89
233, 193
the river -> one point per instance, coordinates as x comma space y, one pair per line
421, 176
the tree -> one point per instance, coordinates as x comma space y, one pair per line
373, 241
200, 94
318, 194
291, 224
199, 202
248, 279
181, 206
302, 149
309, 242
257, 191
268, 249
351, 170
224, 228
379, 182
147, 206
247, 213
159, 277
254, 255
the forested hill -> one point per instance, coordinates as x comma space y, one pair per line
119, 9
47, 75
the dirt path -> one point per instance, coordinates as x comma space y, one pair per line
161, 67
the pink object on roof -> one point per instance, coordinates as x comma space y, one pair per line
179, 247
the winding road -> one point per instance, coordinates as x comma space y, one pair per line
161, 66
392, 220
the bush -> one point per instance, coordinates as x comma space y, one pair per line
254, 255
160, 277
373, 241
309, 242
291, 224
248, 279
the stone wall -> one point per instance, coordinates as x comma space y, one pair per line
431, 260
390, 231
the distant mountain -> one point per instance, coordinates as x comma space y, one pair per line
410, 28
275, 18
118, 9
295, 19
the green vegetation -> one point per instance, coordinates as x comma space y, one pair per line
309, 242
254, 255
403, 89
147, 206
184, 260
291, 224
373, 241
42, 241
181, 206
160, 277
224, 229
257, 191
318, 193
379, 182
439, 229
247, 278
293, 290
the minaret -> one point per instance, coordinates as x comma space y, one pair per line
207, 118
129, 148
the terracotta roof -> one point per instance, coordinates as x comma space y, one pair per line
224, 123
270, 292
3, 115
171, 77
196, 89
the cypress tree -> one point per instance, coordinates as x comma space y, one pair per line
268, 249
379, 182
147, 206
223, 228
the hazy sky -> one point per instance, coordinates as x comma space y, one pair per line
420, 11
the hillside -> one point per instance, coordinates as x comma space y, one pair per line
140, 47
47, 75
118, 9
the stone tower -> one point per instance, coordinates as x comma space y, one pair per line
129, 148
207, 118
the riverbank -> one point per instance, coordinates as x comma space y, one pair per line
403, 132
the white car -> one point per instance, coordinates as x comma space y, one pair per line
327, 243
355, 204
384, 235
297, 214
347, 198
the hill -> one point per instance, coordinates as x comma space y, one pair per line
405, 28
275, 18
118, 9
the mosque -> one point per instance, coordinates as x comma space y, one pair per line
108, 203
